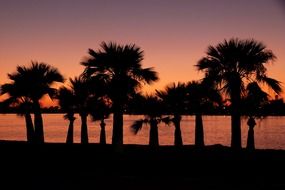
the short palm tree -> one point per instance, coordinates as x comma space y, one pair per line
99, 111
23, 106
80, 88
174, 100
67, 103
199, 96
33, 83
254, 99
120, 67
230, 66
152, 111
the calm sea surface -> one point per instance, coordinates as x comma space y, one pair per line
269, 132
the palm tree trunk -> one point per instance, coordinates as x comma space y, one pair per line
236, 131
117, 138
102, 133
199, 131
177, 133
250, 139
84, 129
29, 128
153, 134
69, 138
250, 136
235, 117
38, 120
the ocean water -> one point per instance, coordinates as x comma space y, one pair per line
269, 131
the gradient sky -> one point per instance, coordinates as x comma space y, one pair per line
174, 34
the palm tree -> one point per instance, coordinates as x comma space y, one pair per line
230, 66
152, 111
120, 67
23, 106
33, 83
200, 96
80, 88
100, 110
252, 103
67, 102
174, 99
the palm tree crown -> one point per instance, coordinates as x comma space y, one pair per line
36, 80
234, 63
120, 66
174, 98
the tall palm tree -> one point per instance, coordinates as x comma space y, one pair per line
22, 104
152, 111
174, 99
120, 67
67, 102
33, 83
230, 66
199, 97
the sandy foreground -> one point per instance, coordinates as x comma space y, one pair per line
60, 166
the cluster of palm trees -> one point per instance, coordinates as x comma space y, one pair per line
112, 81
169, 105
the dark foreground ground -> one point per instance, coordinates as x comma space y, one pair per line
59, 166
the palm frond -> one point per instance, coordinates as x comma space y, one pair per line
274, 84
137, 126
167, 120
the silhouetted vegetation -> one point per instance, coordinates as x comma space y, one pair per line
230, 65
174, 99
29, 85
112, 80
100, 110
119, 66
81, 92
201, 96
67, 102
152, 106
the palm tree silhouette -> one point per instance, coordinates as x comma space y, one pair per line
152, 109
199, 96
67, 103
232, 64
99, 111
80, 88
252, 103
120, 67
23, 106
33, 83
174, 99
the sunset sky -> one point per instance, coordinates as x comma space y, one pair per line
174, 34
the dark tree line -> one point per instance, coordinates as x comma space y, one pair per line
112, 82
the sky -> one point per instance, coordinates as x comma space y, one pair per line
174, 34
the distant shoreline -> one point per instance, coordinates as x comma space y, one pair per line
277, 115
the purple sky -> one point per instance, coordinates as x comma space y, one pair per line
173, 33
